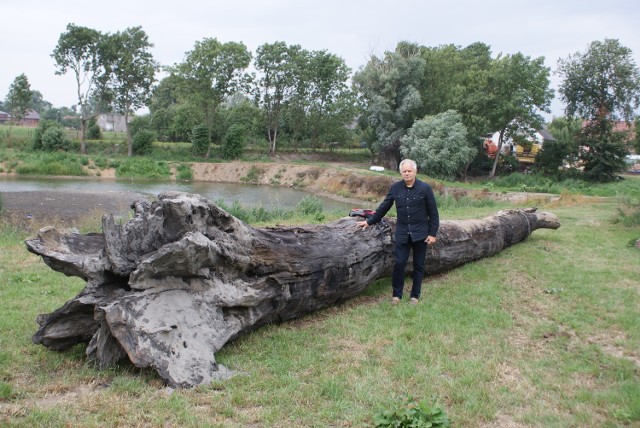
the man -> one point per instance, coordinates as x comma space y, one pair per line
417, 226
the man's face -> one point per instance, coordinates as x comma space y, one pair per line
408, 173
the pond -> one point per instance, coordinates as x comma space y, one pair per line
247, 195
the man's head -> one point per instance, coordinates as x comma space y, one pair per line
408, 170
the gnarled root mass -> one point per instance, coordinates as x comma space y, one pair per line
170, 287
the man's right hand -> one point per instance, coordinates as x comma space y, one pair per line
363, 224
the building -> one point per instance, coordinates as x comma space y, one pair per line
111, 122
32, 118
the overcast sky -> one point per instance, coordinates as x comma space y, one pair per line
353, 30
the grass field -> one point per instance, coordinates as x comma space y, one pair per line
545, 334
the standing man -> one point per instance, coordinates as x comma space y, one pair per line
417, 226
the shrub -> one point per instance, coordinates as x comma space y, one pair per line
200, 140
43, 125
233, 143
142, 142
94, 132
183, 172
54, 139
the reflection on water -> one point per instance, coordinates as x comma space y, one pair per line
246, 194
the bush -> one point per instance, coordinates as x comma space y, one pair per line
200, 140
94, 132
142, 142
54, 139
184, 172
43, 125
233, 143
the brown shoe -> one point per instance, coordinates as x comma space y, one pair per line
414, 301
395, 300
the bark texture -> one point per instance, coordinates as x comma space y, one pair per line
170, 287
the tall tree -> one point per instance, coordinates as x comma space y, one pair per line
518, 91
78, 51
210, 73
129, 73
390, 88
276, 84
601, 85
330, 100
18, 99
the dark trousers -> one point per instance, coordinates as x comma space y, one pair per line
402, 255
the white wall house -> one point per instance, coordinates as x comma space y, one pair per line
110, 122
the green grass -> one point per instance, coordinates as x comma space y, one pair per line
544, 334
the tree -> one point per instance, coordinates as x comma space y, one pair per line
18, 99
78, 50
276, 85
38, 103
331, 103
438, 144
391, 91
518, 90
601, 85
129, 73
210, 73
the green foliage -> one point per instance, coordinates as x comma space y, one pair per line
390, 87
19, 98
94, 132
142, 141
144, 168
43, 125
311, 207
253, 175
58, 163
233, 143
601, 101
184, 172
200, 140
1, 203
54, 139
587, 94
411, 413
438, 144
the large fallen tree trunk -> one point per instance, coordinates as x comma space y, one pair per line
171, 286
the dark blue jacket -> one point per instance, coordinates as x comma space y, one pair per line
417, 211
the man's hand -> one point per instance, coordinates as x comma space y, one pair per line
431, 240
363, 224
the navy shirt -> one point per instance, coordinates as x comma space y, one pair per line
417, 211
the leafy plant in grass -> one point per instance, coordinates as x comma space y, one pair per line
145, 168
411, 413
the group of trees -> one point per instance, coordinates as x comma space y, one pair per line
428, 103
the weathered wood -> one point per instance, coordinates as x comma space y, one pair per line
174, 284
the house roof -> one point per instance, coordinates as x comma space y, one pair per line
32, 114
